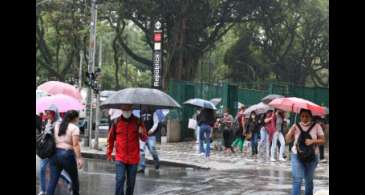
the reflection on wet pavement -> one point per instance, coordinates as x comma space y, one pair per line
98, 178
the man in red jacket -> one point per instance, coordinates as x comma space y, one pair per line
126, 133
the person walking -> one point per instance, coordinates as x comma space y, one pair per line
226, 124
125, 133
205, 121
197, 126
150, 120
300, 169
278, 135
67, 155
53, 118
253, 127
264, 143
239, 134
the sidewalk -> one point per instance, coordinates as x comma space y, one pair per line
184, 154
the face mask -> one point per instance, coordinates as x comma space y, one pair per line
127, 114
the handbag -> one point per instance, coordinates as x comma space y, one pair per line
192, 124
45, 144
248, 135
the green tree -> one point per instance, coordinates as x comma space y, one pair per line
289, 38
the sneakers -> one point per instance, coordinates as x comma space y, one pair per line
323, 160
41, 193
282, 159
69, 187
272, 160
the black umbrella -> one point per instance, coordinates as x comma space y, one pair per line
270, 97
138, 97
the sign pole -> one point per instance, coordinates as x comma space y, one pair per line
157, 56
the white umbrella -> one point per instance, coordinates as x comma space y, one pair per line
259, 108
201, 103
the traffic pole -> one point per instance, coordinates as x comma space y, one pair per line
91, 66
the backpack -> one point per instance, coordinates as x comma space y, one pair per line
45, 144
305, 153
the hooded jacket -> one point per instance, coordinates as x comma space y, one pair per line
50, 126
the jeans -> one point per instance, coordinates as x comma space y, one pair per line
151, 145
121, 171
42, 175
302, 170
205, 131
63, 159
278, 135
254, 142
264, 142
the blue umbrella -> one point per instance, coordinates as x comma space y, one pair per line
201, 103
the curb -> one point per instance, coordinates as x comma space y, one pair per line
165, 162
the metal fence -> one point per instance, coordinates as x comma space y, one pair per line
232, 94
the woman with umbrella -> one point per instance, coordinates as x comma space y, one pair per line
239, 137
206, 121
53, 118
253, 126
302, 169
264, 133
278, 135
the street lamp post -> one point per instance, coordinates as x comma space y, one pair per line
97, 109
91, 66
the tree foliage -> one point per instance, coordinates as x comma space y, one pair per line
289, 39
204, 40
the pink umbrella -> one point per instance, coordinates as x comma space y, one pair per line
62, 102
293, 104
56, 87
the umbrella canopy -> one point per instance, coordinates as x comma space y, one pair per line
140, 97
216, 101
267, 99
64, 103
293, 104
107, 93
201, 103
327, 110
56, 87
259, 108
40, 93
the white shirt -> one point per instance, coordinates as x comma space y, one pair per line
155, 122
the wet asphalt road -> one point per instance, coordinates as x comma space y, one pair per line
98, 178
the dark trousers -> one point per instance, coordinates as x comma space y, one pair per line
254, 140
123, 170
321, 152
63, 160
